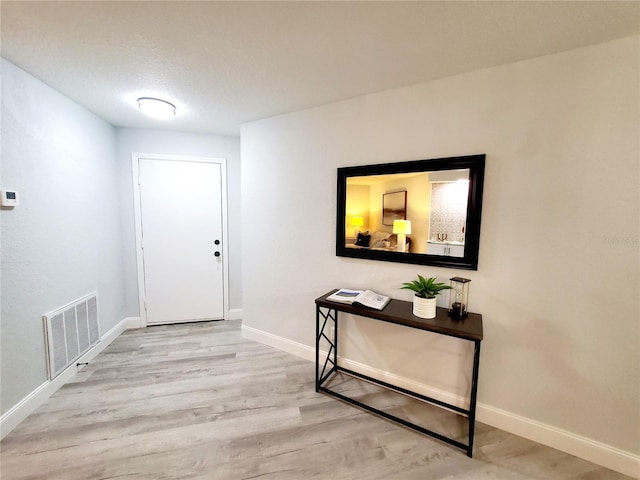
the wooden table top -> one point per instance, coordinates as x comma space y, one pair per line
400, 312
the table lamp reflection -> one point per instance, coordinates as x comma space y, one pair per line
357, 222
402, 228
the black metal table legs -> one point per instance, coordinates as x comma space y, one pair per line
329, 319
327, 330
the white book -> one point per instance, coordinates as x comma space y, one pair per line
363, 298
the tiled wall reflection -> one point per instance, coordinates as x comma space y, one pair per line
448, 210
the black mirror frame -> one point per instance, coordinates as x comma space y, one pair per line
475, 164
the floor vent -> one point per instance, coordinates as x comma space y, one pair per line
70, 331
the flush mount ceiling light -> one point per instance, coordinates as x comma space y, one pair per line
156, 108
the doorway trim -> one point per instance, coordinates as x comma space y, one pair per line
135, 158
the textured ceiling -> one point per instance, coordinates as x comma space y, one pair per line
226, 63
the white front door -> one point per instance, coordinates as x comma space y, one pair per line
181, 230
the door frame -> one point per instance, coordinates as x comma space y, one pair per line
135, 158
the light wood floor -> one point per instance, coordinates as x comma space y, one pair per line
200, 402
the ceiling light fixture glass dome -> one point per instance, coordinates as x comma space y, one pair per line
156, 108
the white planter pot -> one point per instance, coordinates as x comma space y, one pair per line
424, 307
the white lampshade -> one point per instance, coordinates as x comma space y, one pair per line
402, 226
357, 221
156, 108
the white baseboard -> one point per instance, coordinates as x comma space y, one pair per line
12, 418
565, 441
281, 343
405, 383
131, 323
235, 314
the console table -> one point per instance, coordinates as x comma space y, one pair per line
400, 313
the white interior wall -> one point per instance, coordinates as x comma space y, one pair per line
63, 241
558, 275
129, 140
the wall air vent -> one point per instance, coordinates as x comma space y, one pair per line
70, 332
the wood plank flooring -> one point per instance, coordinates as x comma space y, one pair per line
199, 401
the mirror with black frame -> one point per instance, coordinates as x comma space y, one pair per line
424, 212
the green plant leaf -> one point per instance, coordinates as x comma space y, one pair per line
425, 287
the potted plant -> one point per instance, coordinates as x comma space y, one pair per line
426, 290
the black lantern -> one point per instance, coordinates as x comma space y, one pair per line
459, 297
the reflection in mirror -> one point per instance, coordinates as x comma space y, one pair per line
420, 214
433, 206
